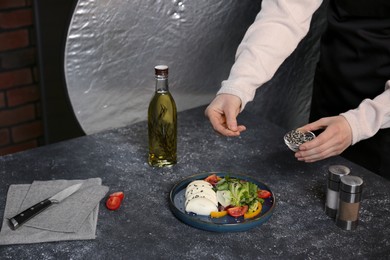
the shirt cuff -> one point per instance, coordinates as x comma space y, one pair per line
371, 115
245, 98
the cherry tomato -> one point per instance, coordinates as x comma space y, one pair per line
213, 179
263, 194
118, 194
113, 203
114, 200
237, 211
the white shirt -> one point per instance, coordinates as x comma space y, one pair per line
273, 36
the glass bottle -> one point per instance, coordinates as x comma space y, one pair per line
162, 122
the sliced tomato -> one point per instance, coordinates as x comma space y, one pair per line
118, 194
237, 211
212, 179
113, 202
263, 194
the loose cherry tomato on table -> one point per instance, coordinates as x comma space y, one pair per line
237, 211
263, 194
118, 194
114, 200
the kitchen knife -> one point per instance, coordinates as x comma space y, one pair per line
16, 221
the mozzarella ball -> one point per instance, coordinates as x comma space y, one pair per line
201, 206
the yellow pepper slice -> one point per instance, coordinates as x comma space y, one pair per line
218, 214
254, 213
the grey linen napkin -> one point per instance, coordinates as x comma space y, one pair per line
75, 218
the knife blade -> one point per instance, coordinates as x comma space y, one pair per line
19, 219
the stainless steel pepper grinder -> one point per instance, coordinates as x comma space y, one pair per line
350, 197
333, 187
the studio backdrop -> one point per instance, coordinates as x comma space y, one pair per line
113, 46
110, 49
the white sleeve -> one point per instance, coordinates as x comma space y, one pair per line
274, 35
370, 116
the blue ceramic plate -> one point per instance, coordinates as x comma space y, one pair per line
224, 224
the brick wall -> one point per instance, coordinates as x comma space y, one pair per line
20, 119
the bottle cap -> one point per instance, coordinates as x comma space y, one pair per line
351, 184
161, 70
336, 171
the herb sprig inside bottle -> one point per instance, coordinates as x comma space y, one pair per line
162, 122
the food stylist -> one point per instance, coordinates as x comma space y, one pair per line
351, 90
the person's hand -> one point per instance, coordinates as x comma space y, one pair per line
222, 113
336, 137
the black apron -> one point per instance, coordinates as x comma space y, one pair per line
355, 64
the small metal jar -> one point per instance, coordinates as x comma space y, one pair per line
349, 205
333, 186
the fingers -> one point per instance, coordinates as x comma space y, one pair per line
231, 121
317, 125
222, 113
220, 126
331, 142
317, 153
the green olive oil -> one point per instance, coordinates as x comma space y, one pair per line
162, 123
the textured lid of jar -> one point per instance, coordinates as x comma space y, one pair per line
351, 184
336, 171
161, 70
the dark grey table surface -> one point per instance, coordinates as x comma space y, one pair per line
145, 228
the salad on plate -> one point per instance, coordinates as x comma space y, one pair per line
220, 196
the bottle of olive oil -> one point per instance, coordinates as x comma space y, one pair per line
162, 122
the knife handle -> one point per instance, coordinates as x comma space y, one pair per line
18, 220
